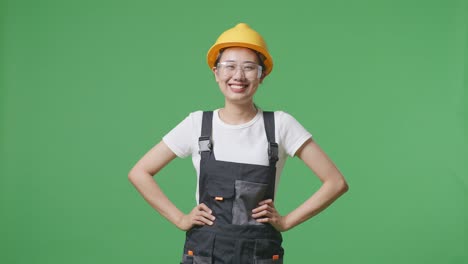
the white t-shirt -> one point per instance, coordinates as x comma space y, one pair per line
244, 143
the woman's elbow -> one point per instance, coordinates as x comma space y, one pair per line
342, 186
338, 185
133, 174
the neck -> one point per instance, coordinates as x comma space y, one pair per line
236, 114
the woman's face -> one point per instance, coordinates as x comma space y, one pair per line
237, 74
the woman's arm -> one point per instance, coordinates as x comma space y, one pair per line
333, 186
141, 176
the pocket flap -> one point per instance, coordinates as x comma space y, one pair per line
221, 190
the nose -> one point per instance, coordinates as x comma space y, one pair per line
239, 74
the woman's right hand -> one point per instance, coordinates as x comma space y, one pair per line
200, 215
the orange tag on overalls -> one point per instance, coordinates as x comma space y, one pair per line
275, 257
218, 198
190, 253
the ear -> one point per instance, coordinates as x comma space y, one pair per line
215, 72
261, 78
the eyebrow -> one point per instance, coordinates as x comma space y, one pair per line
242, 62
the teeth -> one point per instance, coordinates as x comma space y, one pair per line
237, 86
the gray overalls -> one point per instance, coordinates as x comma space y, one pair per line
231, 190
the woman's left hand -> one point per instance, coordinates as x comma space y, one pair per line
267, 213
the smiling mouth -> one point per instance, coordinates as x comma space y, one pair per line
238, 86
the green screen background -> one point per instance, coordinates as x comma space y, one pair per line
87, 87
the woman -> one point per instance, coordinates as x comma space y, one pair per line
238, 152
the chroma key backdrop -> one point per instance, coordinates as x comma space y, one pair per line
87, 87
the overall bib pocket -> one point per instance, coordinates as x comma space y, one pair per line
221, 199
248, 195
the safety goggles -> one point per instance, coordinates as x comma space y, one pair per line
249, 69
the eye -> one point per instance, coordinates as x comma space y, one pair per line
230, 66
249, 67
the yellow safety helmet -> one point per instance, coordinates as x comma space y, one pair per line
240, 36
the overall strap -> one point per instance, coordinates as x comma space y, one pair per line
269, 119
204, 141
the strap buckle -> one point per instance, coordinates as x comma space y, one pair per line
273, 151
204, 144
